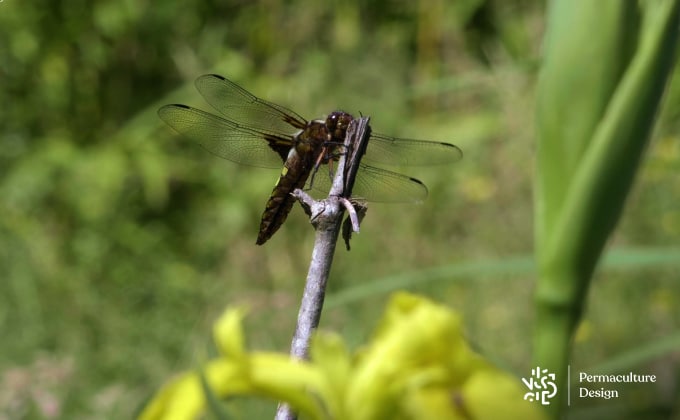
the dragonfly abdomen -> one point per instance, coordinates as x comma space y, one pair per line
295, 172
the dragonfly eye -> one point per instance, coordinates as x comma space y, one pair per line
332, 121
337, 123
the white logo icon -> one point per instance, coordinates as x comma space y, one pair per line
541, 386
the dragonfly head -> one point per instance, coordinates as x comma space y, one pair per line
337, 123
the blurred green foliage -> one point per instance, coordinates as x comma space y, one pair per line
120, 242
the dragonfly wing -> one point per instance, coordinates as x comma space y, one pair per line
388, 150
226, 138
375, 185
383, 186
247, 110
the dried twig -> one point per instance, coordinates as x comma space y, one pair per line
326, 216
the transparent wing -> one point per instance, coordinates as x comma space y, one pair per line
376, 185
388, 150
383, 186
226, 138
247, 110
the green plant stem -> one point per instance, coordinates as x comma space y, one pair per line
579, 205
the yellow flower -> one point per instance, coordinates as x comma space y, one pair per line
417, 366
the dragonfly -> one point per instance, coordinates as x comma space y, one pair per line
255, 132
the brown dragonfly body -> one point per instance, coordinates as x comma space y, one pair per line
316, 144
260, 133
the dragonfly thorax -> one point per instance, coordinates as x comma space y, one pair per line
312, 139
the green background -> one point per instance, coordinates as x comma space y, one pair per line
120, 242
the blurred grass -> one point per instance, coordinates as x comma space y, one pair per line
519, 265
121, 242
